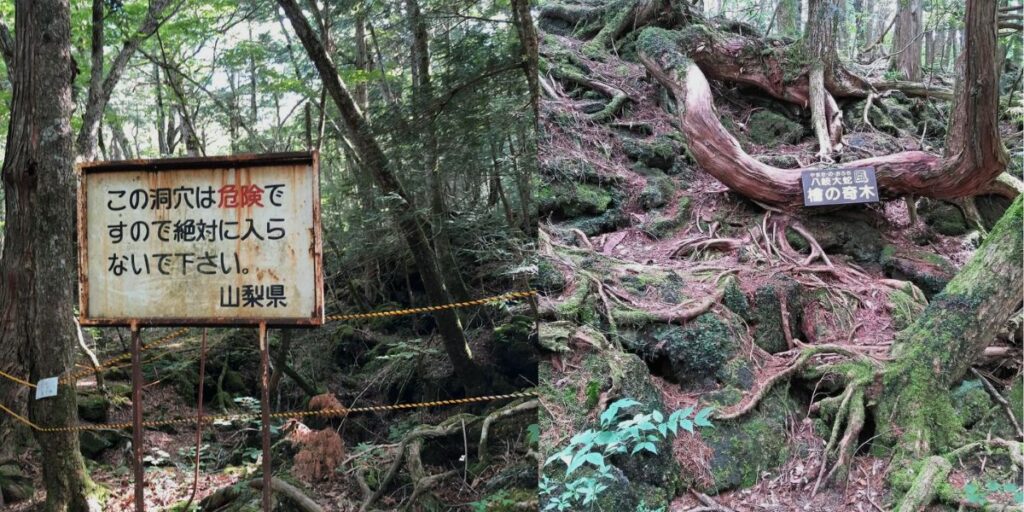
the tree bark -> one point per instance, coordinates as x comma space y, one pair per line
915, 409
37, 287
410, 221
976, 159
906, 40
530, 50
423, 96
820, 47
787, 17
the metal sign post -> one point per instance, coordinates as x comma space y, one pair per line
140, 472
265, 410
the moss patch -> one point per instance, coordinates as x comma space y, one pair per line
746, 447
768, 128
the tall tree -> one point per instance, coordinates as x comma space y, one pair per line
101, 85
823, 23
787, 17
37, 287
411, 222
906, 40
423, 99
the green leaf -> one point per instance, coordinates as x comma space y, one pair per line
701, 420
687, 425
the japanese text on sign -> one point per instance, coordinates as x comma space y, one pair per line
839, 186
217, 241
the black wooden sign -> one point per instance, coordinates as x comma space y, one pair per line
824, 187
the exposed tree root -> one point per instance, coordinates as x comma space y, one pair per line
799, 364
968, 171
921, 493
699, 245
509, 410
617, 97
851, 413
303, 502
408, 451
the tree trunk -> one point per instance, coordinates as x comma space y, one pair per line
787, 17
915, 409
977, 156
100, 86
410, 221
161, 126
529, 43
906, 40
820, 47
423, 96
37, 269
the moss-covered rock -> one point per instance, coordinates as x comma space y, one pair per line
737, 373
549, 279
15, 484
991, 208
694, 351
608, 221
617, 375
514, 348
735, 299
664, 225
744, 448
929, 271
656, 193
781, 161
572, 200
848, 233
93, 443
659, 152
945, 218
768, 333
769, 128
93, 407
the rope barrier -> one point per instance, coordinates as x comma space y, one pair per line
430, 309
279, 415
330, 412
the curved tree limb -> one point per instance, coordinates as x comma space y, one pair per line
979, 157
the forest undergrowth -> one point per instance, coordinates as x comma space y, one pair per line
663, 286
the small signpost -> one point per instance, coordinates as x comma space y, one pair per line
200, 242
826, 187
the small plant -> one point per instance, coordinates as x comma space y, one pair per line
975, 494
498, 499
616, 436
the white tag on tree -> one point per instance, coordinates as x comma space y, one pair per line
46, 388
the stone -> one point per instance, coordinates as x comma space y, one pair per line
929, 271
768, 128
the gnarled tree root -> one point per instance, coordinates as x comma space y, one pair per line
969, 171
617, 97
921, 493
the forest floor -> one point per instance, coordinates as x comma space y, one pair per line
364, 365
628, 213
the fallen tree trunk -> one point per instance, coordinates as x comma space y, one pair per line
979, 157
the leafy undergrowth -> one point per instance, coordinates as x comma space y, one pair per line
636, 239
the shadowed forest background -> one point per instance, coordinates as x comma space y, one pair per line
714, 345
425, 126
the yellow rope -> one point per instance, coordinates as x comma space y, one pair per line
429, 309
336, 411
15, 379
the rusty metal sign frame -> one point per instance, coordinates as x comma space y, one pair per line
83, 170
